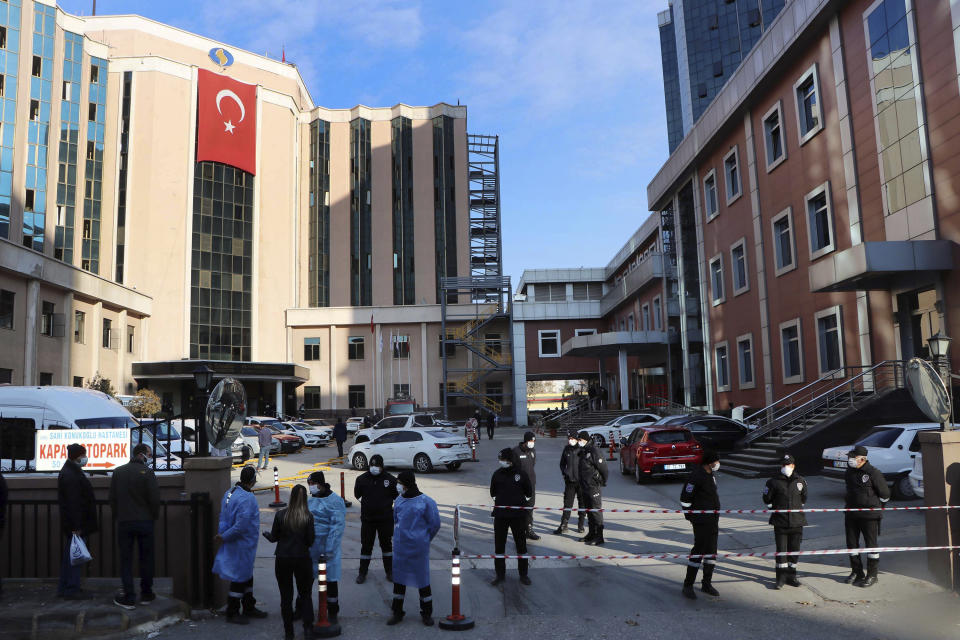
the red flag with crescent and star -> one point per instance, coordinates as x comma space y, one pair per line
226, 121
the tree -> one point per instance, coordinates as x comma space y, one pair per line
145, 404
537, 387
99, 383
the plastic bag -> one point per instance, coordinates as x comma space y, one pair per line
78, 551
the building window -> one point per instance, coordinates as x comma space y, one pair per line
645, 315
745, 361
46, 379
3, 37
78, 381
6, 376
401, 390
731, 171
79, 327
774, 139
451, 348
450, 389
6, 309
722, 361
361, 238
549, 343
403, 240
820, 221
494, 344
311, 398
92, 199
106, 342
657, 314
401, 347
356, 396
791, 351
716, 280
94, 73
738, 262
37, 69
630, 324
29, 199
46, 318
444, 202
130, 338
807, 93
829, 340
355, 346
318, 263
311, 349
550, 292
710, 203
587, 291
783, 242
494, 392
584, 332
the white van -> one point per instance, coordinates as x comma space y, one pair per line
25, 410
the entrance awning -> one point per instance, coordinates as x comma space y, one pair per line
183, 370
881, 265
649, 346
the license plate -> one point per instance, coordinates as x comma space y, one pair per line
674, 467
463, 455
839, 463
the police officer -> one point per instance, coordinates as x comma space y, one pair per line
866, 488
526, 458
376, 490
592, 476
700, 492
787, 490
569, 468
509, 487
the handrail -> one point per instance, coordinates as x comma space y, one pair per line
831, 375
673, 406
573, 409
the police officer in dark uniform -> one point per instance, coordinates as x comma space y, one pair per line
787, 490
526, 458
569, 468
592, 475
700, 492
509, 487
866, 488
376, 490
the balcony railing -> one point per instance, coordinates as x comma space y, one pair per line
653, 268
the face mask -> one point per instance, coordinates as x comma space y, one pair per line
314, 490
402, 488
852, 462
787, 471
716, 466
582, 443
573, 443
504, 464
375, 471
530, 445
82, 461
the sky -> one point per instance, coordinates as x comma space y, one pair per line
573, 88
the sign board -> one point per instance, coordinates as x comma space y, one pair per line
928, 391
106, 448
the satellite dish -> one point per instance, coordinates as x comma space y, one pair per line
226, 412
928, 390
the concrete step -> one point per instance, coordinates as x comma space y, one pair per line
754, 456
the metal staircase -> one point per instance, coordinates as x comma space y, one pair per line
789, 421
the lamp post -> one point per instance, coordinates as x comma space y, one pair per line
939, 347
202, 377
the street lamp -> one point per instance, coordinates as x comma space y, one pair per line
939, 345
202, 377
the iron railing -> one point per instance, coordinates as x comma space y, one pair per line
670, 408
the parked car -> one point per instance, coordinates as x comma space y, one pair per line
400, 406
621, 426
354, 424
319, 425
249, 440
652, 451
712, 432
409, 421
916, 475
892, 448
169, 432
421, 449
311, 436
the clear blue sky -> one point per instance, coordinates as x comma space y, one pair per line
573, 88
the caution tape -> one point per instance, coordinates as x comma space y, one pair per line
719, 511
688, 556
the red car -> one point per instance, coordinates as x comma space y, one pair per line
653, 452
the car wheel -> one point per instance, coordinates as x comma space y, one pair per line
244, 453
453, 466
598, 440
902, 490
359, 462
422, 464
623, 468
637, 474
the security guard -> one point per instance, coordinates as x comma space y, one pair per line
592, 475
569, 468
787, 490
526, 459
509, 487
700, 492
376, 490
866, 488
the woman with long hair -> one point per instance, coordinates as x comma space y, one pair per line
294, 534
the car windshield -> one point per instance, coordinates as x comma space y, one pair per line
250, 432
295, 427
400, 408
138, 436
273, 428
165, 431
881, 437
112, 422
610, 423
669, 437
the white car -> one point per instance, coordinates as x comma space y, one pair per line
311, 436
916, 476
408, 421
250, 438
354, 424
621, 427
892, 448
421, 449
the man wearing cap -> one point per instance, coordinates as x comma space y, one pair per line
78, 516
866, 489
238, 534
329, 518
526, 458
700, 493
376, 490
509, 487
416, 521
569, 468
592, 475
787, 490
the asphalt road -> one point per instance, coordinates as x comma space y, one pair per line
610, 599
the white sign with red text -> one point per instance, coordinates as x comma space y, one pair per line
106, 448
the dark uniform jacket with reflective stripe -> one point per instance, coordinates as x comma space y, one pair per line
700, 492
866, 488
782, 492
376, 495
526, 459
570, 463
510, 487
591, 469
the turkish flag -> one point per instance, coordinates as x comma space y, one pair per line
226, 121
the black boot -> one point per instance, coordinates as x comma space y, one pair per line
873, 569
707, 586
397, 609
689, 580
531, 534
591, 534
362, 573
426, 612
781, 579
580, 523
792, 577
250, 607
598, 536
287, 630
233, 612
388, 567
856, 571
564, 519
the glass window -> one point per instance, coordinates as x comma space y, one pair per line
448, 349
46, 379
791, 352
550, 292
355, 346
549, 344
46, 318
745, 360
6, 309
584, 332
401, 390
731, 169
587, 290
783, 242
106, 333
78, 381
829, 345
657, 314
716, 280
773, 136
669, 437
311, 349
808, 104
819, 221
311, 398
409, 436
444, 202
645, 314
494, 344
318, 264
130, 338
401, 347
723, 367
738, 258
356, 396
710, 194
881, 437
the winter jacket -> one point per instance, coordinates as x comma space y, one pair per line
784, 492
866, 487
526, 459
700, 492
291, 544
78, 506
570, 463
134, 493
592, 471
376, 495
510, 487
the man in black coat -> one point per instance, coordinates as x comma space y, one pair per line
509, 487
78, 516
340, 435
569, 469
376, 490
592, 475
491, 425
866, 488
787, 490
700, 492
3, 512
525, 458
135, 502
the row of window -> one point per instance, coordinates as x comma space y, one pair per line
51, 323
651, 318
548, 341
401, 347
357, 394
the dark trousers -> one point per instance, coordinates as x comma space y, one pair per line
705, 536
141, 533
69, 583
300, 570
489, 431
591, 499
340, 448
571, 490
426, 599
788, 540
370, 530
532, 502
240, 592
870, 530
517, 527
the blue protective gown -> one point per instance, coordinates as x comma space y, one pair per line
415, 522
240, 530
329, 517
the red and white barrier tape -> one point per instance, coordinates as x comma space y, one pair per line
728, 511
687, 556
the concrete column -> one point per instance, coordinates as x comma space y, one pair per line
519, 343
425, 389
941, 456
31, 329
279, 401
332, 358
624, 378
98, 337
65, 377
122, 354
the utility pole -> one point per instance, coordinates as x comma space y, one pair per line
94, 7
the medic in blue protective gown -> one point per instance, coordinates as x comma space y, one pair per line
416, 522
240, 531
329, 516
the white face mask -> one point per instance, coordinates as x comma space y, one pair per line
401, 488
852, 463
530, 445
787, 471
314, 490
504, 464
715, 466
573, 443
375, 471
582, 443
82, 461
